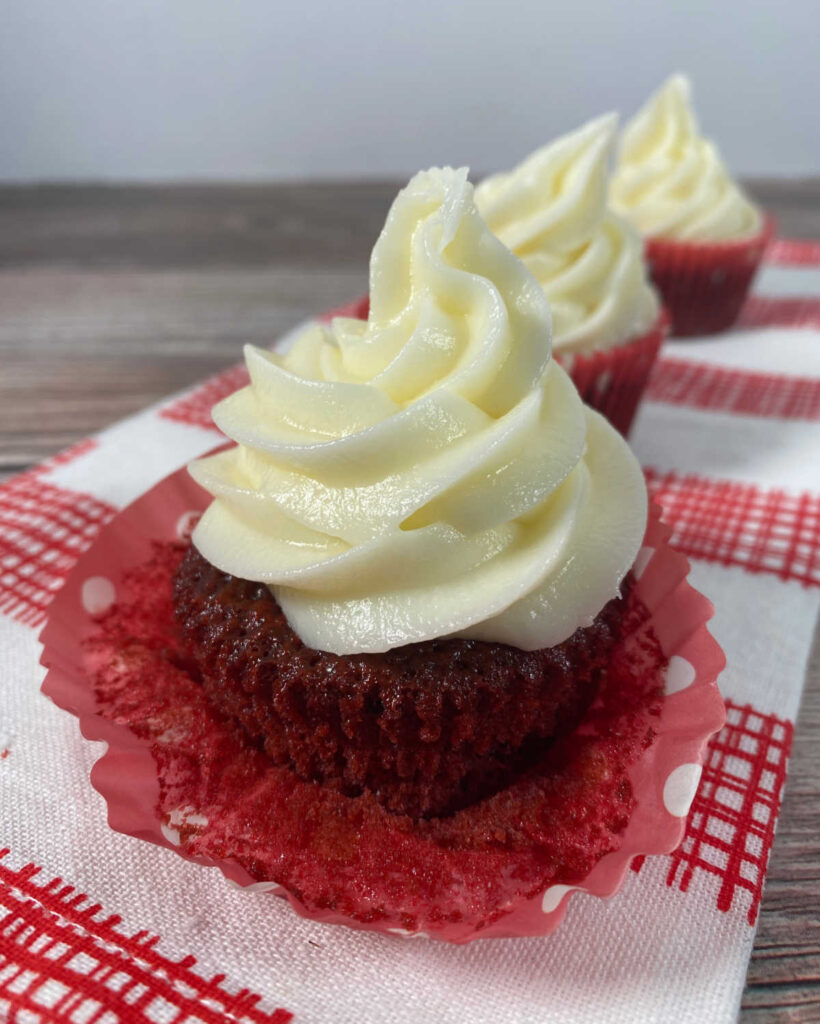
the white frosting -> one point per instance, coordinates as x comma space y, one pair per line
429, 471
671, 182
552, 212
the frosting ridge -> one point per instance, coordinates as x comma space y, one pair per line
429, 471
671, 182
551, 210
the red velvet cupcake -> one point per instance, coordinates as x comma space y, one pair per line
551, 211
183, 775
411, 674
704, 237
427, 728
704, 284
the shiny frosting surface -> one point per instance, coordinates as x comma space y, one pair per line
552, 212
671, 182
430, 471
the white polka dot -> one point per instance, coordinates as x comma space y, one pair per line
680, 788
679, 675
405, 934
642, 560
98, 594
187, 816
553, 896
170, 834
256, 886
186, 523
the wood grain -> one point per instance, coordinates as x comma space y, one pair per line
112, 298
88, 347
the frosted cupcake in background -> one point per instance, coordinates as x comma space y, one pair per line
704, 236
551, 211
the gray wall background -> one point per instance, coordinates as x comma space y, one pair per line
260, 89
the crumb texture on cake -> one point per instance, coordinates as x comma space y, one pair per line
427, 728
347, 858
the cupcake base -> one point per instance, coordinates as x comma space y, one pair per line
428, 728
178, 775
704, 284
221, 795
612, 381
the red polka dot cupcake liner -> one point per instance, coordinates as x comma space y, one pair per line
611, 381
704, 284
176, 775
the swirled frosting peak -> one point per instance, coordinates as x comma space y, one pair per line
429, 471
671, 182
552, 212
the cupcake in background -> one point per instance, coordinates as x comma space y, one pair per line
704, 236
551, 211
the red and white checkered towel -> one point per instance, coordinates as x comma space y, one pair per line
97, 927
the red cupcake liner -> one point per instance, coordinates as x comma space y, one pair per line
704, 284
163, 747
611, 381
358, 309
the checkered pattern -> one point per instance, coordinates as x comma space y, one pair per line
194, 408
702, 386
43, 531
739, 524
730, 828
793, 252
780, 312
61, 960
68, 455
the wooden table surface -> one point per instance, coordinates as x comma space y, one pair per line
111, 298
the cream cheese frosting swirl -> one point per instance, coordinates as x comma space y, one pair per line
429, 471
552, 212
671, 182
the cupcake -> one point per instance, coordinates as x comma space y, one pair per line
409, 672
411, 579
431, 471
704, 236
406, 531
551, 211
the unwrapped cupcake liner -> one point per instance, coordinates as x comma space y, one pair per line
704, 284
158, 753
611, 380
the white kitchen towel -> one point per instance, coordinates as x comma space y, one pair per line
98, 927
